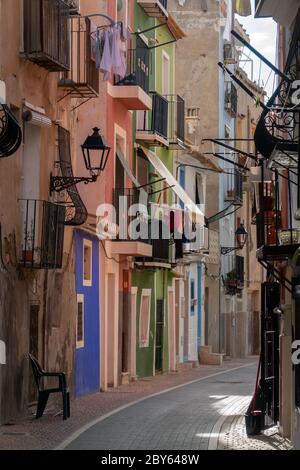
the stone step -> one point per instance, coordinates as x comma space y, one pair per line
209, 358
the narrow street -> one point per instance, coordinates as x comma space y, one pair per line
204, 415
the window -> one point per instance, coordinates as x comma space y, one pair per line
165, 74
145, 318
80, 322
122, 11
200, 193
142, 170
87, 262
193, 300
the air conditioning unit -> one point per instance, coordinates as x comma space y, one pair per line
74, 6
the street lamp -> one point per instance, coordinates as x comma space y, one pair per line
241, 236
95, 152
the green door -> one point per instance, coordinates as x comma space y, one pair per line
159, 335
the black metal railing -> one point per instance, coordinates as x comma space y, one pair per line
234, 187
272, 229
156, 120
138, 67
10, 132
76, 212
231, 99
82, 81
161, 250
234, 279
46, 33
164, 4
176, 122
42, 234
278, 127
130, 205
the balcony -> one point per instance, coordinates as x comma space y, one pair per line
82, 81
234, 280
164, 125
126, 242
42, 235
163, 249
229, 54
191, 251
133, 90
234, 187
155, 8
176, 129
231, 98
46, 34
275, 242
152, 126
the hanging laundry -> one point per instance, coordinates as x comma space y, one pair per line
99, 47
117, 55
243, 7
93, 35
106, 61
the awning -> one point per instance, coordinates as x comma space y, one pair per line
143, 194
126, 167
175, 186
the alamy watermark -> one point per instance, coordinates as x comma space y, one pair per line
296, 353
141, 221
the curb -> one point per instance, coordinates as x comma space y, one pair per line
86, 427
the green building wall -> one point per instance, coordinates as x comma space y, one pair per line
160, 279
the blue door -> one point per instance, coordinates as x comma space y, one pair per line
199, 304
87, 355
182, 182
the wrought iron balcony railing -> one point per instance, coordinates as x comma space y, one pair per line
277, 132
231, 99
155, 122
76, 212
165, 122
234, 280
138, 67
176, 123
42, 234
126, 202
233, 187
46, 34
275, 239
82, 81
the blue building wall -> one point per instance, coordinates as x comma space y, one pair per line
87, 358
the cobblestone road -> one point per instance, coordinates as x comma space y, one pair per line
197, 416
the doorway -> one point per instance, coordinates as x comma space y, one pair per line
159, 336
33, 347
177, 321
111, 330
124, 320
206, 302
186, 321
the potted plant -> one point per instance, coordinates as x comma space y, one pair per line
231, 281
